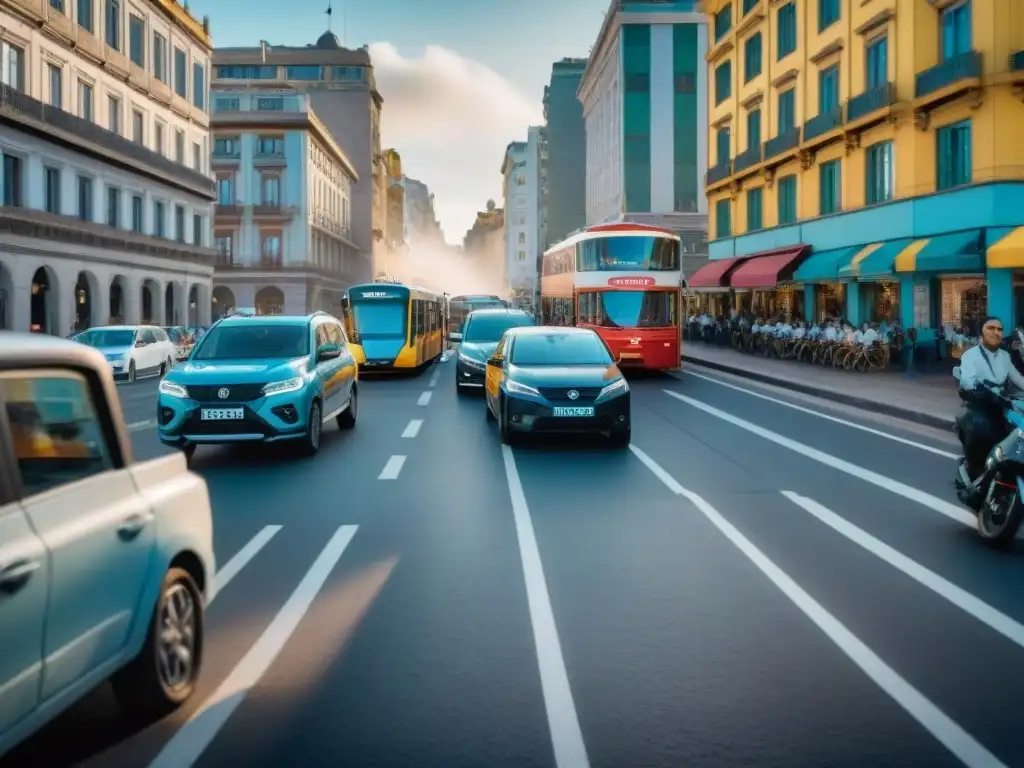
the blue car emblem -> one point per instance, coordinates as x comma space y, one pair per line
572, 394
223, 393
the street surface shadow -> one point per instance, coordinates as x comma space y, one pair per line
263, 455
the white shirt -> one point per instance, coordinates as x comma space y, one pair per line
974, 368
869, 337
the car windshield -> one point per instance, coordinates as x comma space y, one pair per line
107, 338
560, 349
245, 341
488, 329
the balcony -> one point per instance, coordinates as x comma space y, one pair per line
227, 211
269, 159
54, 124
949, 78
876, 99
273, 211
748, 159
718, 173
784, 142
824, 123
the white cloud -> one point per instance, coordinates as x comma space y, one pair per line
450, 119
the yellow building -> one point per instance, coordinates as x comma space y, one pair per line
870, 154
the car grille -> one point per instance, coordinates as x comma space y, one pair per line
561, 394
237, 393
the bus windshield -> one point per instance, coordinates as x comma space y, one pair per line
380, 319
629, 309
628, 254
458, 309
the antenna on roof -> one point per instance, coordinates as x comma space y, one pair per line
330, 11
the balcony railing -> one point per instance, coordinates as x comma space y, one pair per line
745, 160
227, 210
871, 100
717, 173
962, 67
272, 209
23, 108
1017, 61
823, 123
784, 142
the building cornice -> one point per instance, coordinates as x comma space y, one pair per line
185, 21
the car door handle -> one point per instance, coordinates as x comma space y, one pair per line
14, 576
131, 526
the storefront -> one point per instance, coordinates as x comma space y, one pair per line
873, 288
824, 295
765, 287
1005, 273
708, 292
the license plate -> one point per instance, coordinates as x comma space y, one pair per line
222, 414
573, 411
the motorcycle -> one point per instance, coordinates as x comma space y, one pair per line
997, 496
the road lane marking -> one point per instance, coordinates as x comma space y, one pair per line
392, 469
827, 417
952, 511
424, 398
563, 722
946, 731
192, 739
140, 425
413, 429
241, 559
959, 597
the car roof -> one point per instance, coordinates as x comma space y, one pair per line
266, 319
488, 311
116, 328
551, 330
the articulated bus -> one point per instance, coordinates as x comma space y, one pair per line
392, 326
459, 308
623, 281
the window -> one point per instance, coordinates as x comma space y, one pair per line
876, 62
179, 223
223, 244
137, 214
160, 57
786, 196
270, 187
180, 73
84, 198
267, 72
830, 191
347, 73
84, 100
785, 23
752, 57
137, 39
828, 13
956, 30
158, 139
12, 66
138, 127
878, 173
522, 238
269, 146
197, 156
57, 436
753, 128
304, 72
113, 24
226, 147
828, 89
56, 85
179, 146
723, 22
271, 249
113, 207
198, 85
57, 5
13, 181
787, 111
85, 15
749, 5
755, 209
723, 141
51, 190
197, 229
113, 114
953, 146
225, 191
723, 219
723, 82
159, 219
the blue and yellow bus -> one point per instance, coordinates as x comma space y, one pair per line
459, 308
392, 326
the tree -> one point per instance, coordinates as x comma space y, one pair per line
491, 205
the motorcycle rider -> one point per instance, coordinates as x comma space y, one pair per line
984, 424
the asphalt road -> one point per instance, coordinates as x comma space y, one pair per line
763, 580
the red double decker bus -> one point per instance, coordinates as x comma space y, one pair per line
623, 281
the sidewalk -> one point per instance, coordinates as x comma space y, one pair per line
929, 399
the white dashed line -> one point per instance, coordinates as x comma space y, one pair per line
138, 426
432, 382
392, 469
413, 429
241, 559
424, 398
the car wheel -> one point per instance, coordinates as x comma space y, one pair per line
314, 427
166, 367
163, 676
347, 418
131, 372
621, 438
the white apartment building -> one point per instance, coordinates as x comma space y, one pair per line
520, 189
104, 137
283, 221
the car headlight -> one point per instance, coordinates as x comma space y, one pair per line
171, 389
280, 387
520, 389
617, 386
466, 360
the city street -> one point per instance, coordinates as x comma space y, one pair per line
763, 579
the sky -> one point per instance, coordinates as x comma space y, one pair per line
460, 79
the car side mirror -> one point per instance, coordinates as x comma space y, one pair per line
495, 361
328, 352
141, 343
455, 337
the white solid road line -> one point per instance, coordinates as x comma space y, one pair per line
392, 469
934, 503
827, 417
241, 559
964, 746
424, 398
961, 598
192, 739
563, 722
413, 429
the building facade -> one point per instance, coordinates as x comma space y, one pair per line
484, 252
567, 152
343, 94
397, 226
107, 194
885, 185
424, 228
519, 187
643, 93
283, 219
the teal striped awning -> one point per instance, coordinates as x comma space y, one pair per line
876, 261
824, 266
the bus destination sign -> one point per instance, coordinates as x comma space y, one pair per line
379, 294
631, 282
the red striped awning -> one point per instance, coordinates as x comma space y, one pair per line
714, 274
764, 270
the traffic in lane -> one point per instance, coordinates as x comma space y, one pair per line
749, 584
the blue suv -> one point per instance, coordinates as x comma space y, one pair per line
261, 379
